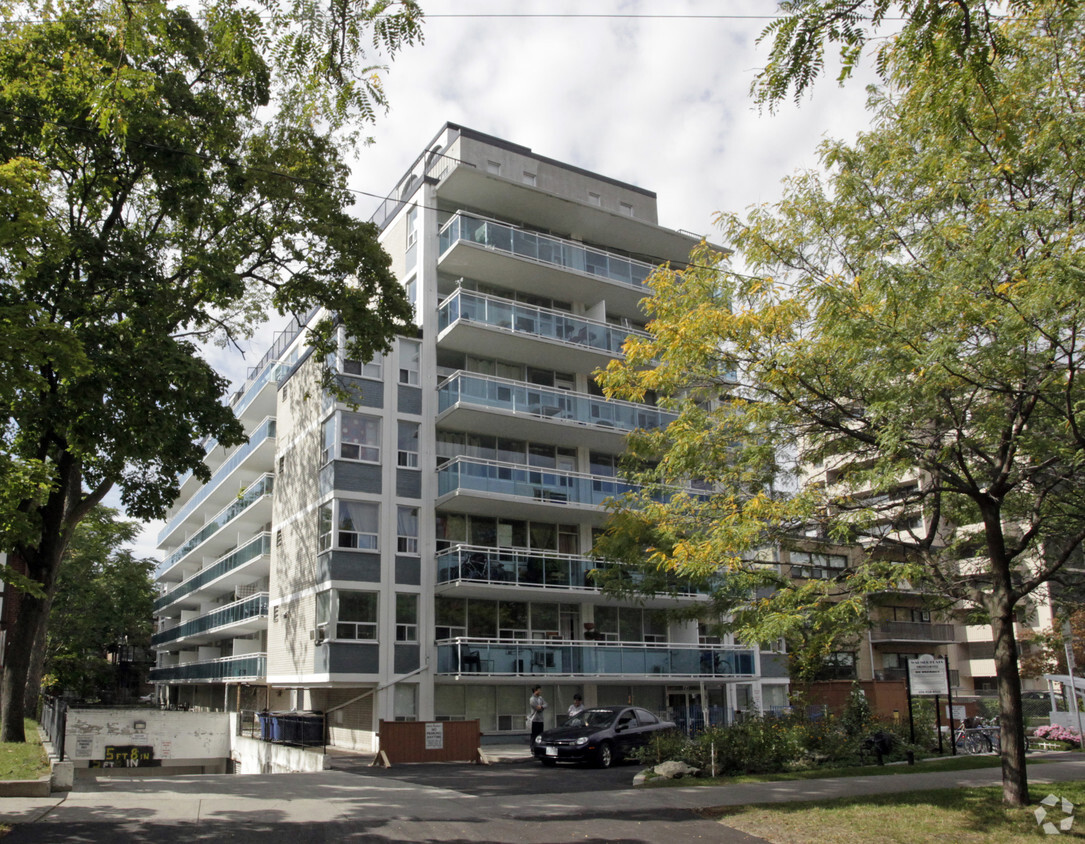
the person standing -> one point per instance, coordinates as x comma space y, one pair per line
576, 707
537, 706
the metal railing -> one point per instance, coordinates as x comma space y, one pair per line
519, 318
254, 606
532, 657
257, 490
543, 248
258, 547
918, 631
486, 391
298, 729
54, 721
244, 667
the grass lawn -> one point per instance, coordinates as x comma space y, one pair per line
23, 761
961, 816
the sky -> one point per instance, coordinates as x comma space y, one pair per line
651, 92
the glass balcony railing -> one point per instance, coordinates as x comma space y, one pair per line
598, 658
245, 667
262, 434
547, 403
525, 567
254, 606
257, 490
258, 547
514, 567
517, 481
528, 319
546, 249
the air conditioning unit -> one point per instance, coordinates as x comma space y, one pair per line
319, 634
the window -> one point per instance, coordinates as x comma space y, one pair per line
450, 618
405, 702
374, 369
407, 446
626, 208
412, 226
357, 616
594, 198
529, 178
838, 665
409, 351
493, 167
407, 530
359, 437
357, 525
411, 287
406, 618
813, 566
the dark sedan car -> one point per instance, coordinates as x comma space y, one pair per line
602, 735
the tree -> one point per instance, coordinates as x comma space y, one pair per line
909, 344
104, 599
165, 179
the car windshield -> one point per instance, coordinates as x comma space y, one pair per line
591, 718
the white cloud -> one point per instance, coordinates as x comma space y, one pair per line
662, 103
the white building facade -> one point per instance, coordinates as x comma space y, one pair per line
423, 551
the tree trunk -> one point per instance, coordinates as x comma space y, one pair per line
1011, 717
32, 693
16, 664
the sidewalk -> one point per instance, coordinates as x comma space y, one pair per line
289, 802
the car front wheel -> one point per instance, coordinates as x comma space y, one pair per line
604, 756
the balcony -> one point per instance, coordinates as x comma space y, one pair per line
483, 572
239, 618
260, 447
527, 261
240, 668
515, 331
913, 631
538, 658
247, 564
488, 487
243, 510
484, 404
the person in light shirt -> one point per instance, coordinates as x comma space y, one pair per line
576, 707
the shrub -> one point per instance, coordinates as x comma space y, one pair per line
668, 746
1051, 732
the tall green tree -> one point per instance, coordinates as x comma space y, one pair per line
908, 343
167, 176
104, 599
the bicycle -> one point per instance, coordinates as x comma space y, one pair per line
970, 740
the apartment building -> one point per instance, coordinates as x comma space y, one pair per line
422, 552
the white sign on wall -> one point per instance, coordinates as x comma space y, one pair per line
435, 736
927, 676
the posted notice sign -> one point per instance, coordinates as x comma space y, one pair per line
435, 736
928, 676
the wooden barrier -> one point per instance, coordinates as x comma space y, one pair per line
429, 741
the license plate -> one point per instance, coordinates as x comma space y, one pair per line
551, 751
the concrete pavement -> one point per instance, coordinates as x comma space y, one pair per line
386, 805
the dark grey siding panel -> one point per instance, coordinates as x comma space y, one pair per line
408, 483
363, 391
409, 399
409, 571
773, 665
353, 477
348, 658
349, 565
406, 659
